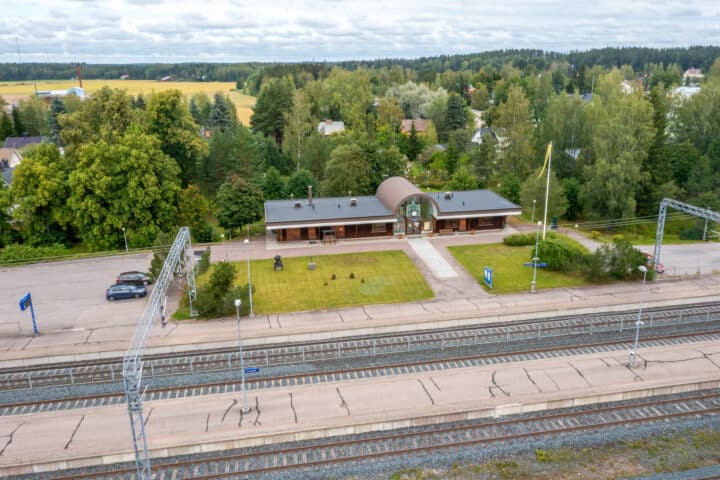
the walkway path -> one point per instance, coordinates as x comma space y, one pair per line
432, 258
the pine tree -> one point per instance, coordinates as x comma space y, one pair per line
57, 107
17, 122
6, 127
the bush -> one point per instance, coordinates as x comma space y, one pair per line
212, 298
619, 261
519, 239
692, 233
561, 253
16, 254
202, 234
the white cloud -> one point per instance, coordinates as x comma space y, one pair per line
108, 31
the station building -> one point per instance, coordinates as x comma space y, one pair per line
398, 207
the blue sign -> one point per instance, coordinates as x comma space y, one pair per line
488, 277
252, 370
25, 302
539, 264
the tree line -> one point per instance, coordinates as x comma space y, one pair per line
149, 164
425, 68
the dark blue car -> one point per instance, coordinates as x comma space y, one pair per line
125, 290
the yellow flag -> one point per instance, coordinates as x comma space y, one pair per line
547, 157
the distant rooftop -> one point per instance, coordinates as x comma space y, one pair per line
328, 127
20, 142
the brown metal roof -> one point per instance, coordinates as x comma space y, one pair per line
395, 190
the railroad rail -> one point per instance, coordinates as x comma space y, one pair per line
349, 452
228, 386
378, 345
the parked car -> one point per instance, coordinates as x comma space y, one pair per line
660, 268
136, 278
125, 290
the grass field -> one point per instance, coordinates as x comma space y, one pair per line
509, 274
243, 103
380, 277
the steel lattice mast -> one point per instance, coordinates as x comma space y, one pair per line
705, 213
177, 263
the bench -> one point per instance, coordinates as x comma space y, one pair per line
446, 231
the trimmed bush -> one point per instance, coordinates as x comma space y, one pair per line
519, 239
561, 253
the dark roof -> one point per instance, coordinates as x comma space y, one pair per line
324, 209
471, 201
19, 142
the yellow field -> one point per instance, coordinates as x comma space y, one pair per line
243, 103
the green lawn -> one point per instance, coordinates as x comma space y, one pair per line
509, 274
380, 277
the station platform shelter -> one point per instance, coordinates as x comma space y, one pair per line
397, 208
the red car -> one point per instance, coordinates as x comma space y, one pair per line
660, 268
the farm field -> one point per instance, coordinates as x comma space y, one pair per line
12, 91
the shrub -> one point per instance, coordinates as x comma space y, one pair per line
619, 261
15, 254
561, 253
519, 239
213, 299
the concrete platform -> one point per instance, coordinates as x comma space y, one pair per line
76, 322
112, 341
47, 441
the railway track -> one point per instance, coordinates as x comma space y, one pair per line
252, 383
379, 345
362, 451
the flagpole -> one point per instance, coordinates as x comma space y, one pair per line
547, 189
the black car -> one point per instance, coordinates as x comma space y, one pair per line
136, 278
125, 290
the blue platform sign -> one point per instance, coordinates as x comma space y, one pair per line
488, 277
25, 302
252, 370
539, 264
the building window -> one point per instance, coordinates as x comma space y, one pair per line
455, 223
379, 228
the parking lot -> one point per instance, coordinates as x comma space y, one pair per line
68, 295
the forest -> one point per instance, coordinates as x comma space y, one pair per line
114, 164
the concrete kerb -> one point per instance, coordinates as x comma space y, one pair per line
367, 427
449, 321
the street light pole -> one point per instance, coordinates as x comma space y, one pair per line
125, 237
532, 216
535, 258
247, 254
244, 408
639, 323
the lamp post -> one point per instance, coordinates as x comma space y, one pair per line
532, 216
639, 323
244, 408
535, 258
247, 254
125, 237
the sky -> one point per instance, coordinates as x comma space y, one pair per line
143, 31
